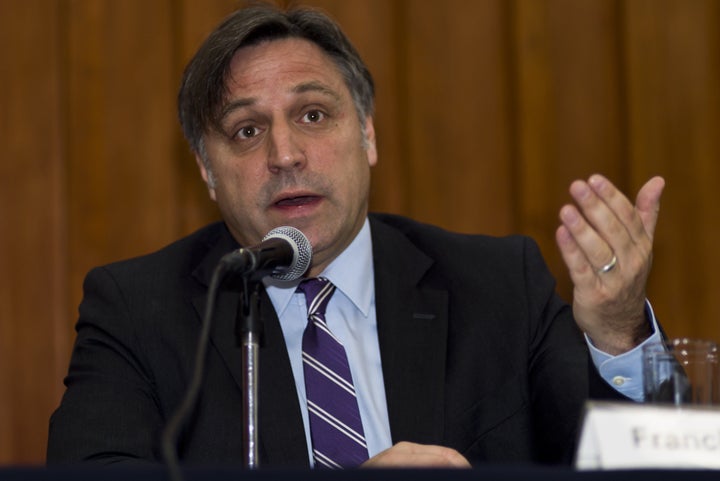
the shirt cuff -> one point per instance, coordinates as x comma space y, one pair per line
624, 372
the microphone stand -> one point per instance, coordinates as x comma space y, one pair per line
248, 330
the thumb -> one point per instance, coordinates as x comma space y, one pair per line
647, 203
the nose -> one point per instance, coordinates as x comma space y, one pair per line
285, 151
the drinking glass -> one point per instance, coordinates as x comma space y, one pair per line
681, 371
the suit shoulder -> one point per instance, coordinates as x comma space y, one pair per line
463, 257
436, 240
180, 256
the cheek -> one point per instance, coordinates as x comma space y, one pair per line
352, 177
235, 183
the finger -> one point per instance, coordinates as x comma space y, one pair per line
582, 271
639, 220
607, 211
574, 258
580, 244
405, 454
429, 454
647, 203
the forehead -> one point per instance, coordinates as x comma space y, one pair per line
280, 66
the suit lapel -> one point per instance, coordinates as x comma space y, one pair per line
281, 434
412, 330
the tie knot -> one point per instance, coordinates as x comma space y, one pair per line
318, 291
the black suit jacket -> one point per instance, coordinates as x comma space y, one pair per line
478, 353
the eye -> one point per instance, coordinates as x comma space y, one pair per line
247, 132
313, 117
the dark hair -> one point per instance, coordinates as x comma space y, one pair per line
204, 87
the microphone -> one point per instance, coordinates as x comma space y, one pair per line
284, 253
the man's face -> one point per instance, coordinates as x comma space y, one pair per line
290, 150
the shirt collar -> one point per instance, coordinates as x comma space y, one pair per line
352, 273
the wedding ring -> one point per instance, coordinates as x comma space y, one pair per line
609, 266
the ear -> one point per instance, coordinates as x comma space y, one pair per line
370, 148
207, 176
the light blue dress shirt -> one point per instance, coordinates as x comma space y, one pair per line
624, 372
351, 317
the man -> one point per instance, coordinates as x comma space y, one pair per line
458, 348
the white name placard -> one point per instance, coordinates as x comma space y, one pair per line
627, 435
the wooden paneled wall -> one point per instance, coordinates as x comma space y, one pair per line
486, 111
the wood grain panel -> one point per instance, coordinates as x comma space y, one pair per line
457, 115
673, 77
121, 133
32, 233
569, 110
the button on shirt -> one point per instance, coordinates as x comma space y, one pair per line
351, 317
624, 372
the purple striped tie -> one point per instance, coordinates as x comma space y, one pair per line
335, 426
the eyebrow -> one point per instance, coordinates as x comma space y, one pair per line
312, 86
234, 105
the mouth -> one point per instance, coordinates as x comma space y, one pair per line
297, 201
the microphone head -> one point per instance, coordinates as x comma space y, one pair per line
302, 252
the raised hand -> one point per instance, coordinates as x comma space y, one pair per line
606, 243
